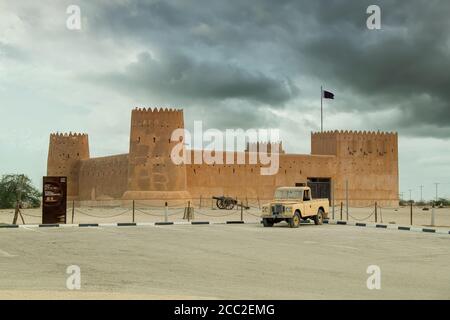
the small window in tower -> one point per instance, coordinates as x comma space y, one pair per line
139, 139
154, 139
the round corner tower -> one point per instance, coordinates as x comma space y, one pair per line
151, 172
64, 155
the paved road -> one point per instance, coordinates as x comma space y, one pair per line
224, 261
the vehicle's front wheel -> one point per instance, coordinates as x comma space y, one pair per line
294, 222
267, 222
318, 219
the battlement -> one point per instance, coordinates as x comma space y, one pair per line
67, 135
346, 143
167, 117
354, 133
156, 110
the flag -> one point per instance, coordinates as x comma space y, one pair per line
328, 94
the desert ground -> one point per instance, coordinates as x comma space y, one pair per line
223, 262
144, 212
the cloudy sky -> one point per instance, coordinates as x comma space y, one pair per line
232, 64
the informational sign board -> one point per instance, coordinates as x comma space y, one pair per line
54, 202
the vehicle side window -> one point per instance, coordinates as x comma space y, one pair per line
306, 196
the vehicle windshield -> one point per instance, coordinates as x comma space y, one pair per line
288, 194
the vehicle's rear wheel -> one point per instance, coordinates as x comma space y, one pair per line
267, 222
294, 222
318, 219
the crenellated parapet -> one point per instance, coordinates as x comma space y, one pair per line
157, 117
67, 135
354, 133
345, 143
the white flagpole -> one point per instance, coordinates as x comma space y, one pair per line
321, 109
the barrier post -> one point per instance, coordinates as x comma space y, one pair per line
165, 213
346, 197
189, 211
259, 204
242, 211
432, 215
200, 205
332, 197
411, 212
376, 218
133, 211
341, 209
73, 209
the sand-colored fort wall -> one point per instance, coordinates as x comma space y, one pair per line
245, 180
367, 160
64, 154
151, 171
103, 178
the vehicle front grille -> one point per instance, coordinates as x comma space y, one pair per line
277, 209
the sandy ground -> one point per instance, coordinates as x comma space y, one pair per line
145, 213
223, 262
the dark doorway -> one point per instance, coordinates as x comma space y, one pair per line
320, 188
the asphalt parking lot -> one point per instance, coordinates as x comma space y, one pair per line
224, 262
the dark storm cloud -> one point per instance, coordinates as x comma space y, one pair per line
176, 77
404, 67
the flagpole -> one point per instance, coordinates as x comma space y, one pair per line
321, 109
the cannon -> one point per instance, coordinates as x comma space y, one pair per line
226, 203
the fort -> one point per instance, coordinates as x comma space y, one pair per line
366, 162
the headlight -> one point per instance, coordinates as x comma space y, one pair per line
287, 209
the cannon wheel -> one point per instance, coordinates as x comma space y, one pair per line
229, 204
220, 204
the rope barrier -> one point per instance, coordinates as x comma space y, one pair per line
96, 216
202, 212
255, 215
361, 219
30, 215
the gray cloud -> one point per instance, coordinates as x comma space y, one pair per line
177, 77
240, 64
401, 67
11, 52
253, 51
